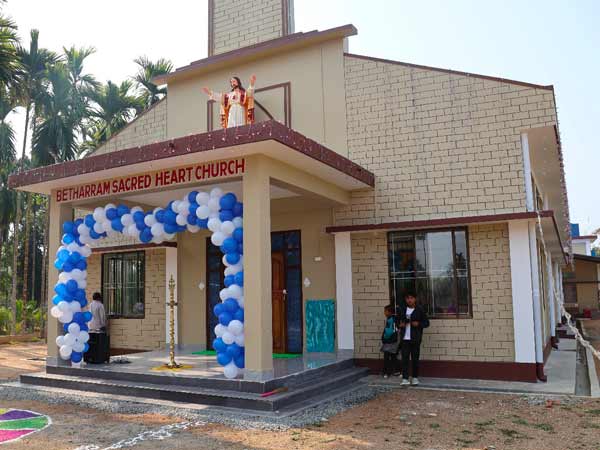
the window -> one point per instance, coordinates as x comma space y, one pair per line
123, 284
435, 265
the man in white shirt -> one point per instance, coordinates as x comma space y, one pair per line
98, 322
413, 320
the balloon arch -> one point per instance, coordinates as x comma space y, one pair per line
218, 212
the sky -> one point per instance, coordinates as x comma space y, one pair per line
538, 41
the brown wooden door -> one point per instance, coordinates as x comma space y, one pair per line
278, 300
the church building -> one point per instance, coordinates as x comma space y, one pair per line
361, 179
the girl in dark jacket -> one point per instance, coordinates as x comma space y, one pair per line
412, 320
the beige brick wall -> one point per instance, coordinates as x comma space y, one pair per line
440, 144
239, 23
488, 336
140, 334
147, 128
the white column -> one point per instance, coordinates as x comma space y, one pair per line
522, 291
171, 269
343, 288
527, 173
551, 296
535, 283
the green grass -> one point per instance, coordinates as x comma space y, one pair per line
544, 426
434, 426
593, 412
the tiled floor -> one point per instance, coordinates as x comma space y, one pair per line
207, 366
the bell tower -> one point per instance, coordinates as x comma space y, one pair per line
234, 24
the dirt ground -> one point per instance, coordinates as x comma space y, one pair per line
20, 358
402, 419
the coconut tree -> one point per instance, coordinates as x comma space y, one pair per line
150, 92
115, 106
9, 63
7, 160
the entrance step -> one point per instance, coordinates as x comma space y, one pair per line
295, 394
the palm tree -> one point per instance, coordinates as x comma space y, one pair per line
9, 62
116, 105
7, 159
148, 69
34, 62
82, 84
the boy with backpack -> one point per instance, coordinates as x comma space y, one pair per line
389, 342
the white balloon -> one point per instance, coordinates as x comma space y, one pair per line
158, 239
78, 346
235, 291
228, 338
150, 220
184, 207
132, 230
63, 277
223, 294
136, 209
82, 284
69, 340
127, 219
193, 228
235, 327
169, 236
202, 212
83, 229
230, 370
213, 204
76, 274
217, 238
229, 271
239, 340
99, 214
63, 306
214, 224
74, 329
225, 262
241, 301
98, 228
65, 352
220, 329
86, 250
213, 215
158, 229
238, 221
216, 193
55, 312
227, 228
107, 226
181, 219
110, 205
175, 206
202, 198
73, 247
236, 268
66, 317
60, 340
84, 336
74, 307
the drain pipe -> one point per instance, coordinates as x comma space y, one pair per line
537, 306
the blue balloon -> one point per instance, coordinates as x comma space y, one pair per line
87, 316
181, 228
225, 318
230, 245
219, 345
84, 327
67, 266
81, 264
78, 318
139, 225
56, 299
238, 234
76, 357
116, 224
219, 309
170, 228
239, 278
68, 238
193, 207
74, 257
111, 213
138, 216
82, 303
231, 305
66, 327
170, 217
192, 196
79, 294
122, 210
94, 235
238, 209
63, 254
160, 216
228, 201
234, 350
240, 248
72, 286
89, 221
229, 280
223, 358
60, 289
225, 215
86, 347
192, 219
58, 264
68, 227
146, 235
239, 361
239, 315
202, 223
232, 258
78, 222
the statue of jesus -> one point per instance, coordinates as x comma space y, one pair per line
237, 106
